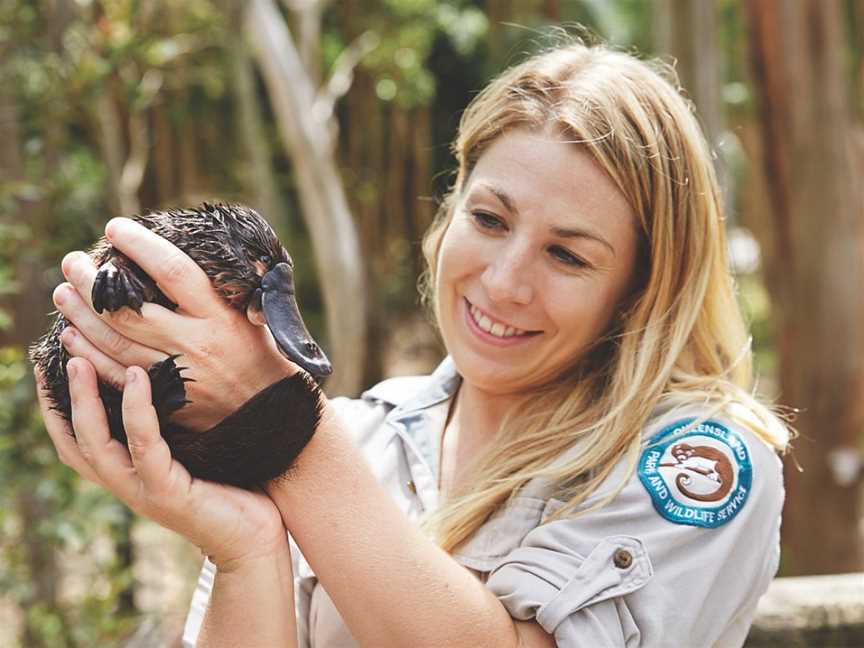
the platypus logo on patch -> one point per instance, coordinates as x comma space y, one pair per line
702, 460
700, 476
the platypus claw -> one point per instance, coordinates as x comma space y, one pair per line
116, 286
168, 387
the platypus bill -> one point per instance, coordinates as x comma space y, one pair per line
253, 272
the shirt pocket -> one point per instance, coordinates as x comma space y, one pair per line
501, 533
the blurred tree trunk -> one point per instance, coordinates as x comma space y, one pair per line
125, 164
813, 268
365, 134
687, 31
308, 15
259, 179
308, 138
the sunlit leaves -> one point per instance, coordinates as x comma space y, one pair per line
464, 27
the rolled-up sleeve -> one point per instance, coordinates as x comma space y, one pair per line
546, 580
628, 575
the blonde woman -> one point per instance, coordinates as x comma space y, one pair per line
586, 468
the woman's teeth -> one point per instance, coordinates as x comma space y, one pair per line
497, 329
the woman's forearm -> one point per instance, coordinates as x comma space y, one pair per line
391, 584
252, 605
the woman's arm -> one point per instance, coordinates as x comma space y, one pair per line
391, 584
252, 603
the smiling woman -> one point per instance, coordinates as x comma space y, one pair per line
588, 466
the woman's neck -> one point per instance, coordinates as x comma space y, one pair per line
478, 414
472, 423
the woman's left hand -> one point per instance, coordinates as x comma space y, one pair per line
229, 358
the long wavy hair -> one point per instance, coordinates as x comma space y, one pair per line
680, 335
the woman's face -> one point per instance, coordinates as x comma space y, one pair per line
539, 253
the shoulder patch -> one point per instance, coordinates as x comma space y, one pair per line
701, 476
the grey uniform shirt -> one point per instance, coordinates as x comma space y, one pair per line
678, 558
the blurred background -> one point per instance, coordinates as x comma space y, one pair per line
334, 120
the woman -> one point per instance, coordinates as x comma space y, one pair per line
587, 467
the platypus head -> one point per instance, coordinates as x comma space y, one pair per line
263, 283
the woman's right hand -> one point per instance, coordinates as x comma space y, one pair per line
230, 525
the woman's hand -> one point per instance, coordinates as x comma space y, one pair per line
232, 526
229, 359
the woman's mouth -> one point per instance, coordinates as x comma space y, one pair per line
488, 327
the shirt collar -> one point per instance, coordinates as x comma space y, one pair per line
441, 385
419, 418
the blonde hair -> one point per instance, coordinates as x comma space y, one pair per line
681, 334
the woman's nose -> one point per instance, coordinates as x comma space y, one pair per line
508, 278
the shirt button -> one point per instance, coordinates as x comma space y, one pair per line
622, 559
411, 487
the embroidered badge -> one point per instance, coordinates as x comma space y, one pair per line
700, 476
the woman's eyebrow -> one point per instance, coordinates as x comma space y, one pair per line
503, 196
568, 232
561, 232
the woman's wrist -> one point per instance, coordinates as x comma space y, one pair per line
252, 602
252, 562
256, 548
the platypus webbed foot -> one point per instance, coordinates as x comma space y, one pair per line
168, 387
168, 393
115, 287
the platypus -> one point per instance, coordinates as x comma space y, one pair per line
253, 272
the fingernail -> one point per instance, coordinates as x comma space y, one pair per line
62, 293
68, 335
71, 369
130, 375
69, 259
112, 226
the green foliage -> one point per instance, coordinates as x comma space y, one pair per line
407, 31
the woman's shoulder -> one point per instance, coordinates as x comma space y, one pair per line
704, 464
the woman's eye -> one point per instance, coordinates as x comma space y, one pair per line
487, 221
566, 257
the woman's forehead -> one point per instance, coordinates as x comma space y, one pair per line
530, 172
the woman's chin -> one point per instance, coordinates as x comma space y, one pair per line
493, 379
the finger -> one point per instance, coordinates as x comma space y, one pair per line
80, 270
106, 456
159, 474
108, 370
60, 432
177, 275
120, 348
